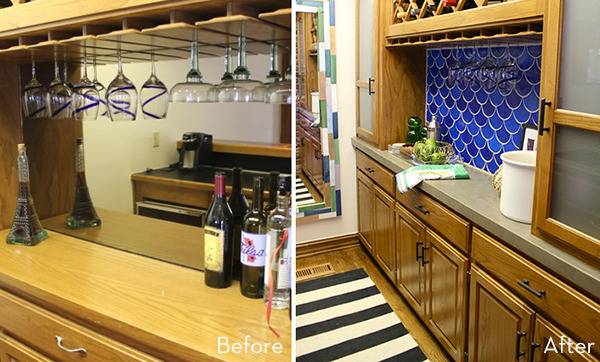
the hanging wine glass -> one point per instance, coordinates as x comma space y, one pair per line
34, 97
59, 95
279, 90
227, 78
242, 89
121, 96
281, 93
193, 90
88, 97
102, 108
154, 99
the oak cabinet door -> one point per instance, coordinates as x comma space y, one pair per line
446, 289
499, 322
385, 244
546, 345
567, 198
365, 211
367, 36
13, 351
410, 236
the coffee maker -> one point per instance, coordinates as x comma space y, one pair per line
195, 151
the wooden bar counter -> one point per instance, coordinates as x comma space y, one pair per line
121, 306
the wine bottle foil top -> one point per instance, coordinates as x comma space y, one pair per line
220, 180
21, 147
285, 184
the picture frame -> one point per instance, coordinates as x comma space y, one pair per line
529, 136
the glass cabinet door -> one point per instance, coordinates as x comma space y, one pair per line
366, 62
568, 171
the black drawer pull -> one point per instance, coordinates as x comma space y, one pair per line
534, 346
371, 81
417, 244
520, 335
422, 209
525, 284
543, 104
369, 169
423, 248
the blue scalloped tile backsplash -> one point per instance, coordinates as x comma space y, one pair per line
483, 120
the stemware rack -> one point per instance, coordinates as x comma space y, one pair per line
166, 34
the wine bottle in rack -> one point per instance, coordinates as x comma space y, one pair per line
218, 242
239, 207
253, 243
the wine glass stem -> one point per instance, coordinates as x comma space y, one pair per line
228, 60
153, 64
194, 52
56, 70
84, 63
120, 63
95, 72
274, 58
32, 68
242, 51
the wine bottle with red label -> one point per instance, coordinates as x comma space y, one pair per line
218, 242
253, 244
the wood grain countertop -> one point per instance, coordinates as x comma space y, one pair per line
156, 307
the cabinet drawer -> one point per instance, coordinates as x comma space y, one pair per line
382, 176
47, 332
553, 298
438, 217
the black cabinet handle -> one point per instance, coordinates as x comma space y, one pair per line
543, 104
422, 209
534, 346
417, 244
423, 248
369, 169
525, 284
520, 335
371, 91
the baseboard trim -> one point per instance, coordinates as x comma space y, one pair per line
321, 246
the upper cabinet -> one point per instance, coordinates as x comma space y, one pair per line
366, 76
567, 199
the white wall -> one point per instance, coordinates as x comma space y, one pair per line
345, 15
115, 150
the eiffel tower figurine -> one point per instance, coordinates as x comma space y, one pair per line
26, 228
83, 214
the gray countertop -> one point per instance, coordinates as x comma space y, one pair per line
476, 200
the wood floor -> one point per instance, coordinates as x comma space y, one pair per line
356, 257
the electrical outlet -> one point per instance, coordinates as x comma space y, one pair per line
155, 139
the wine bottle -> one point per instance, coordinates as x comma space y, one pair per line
26, 228
83, 214
278, 270
218, 242
273, 178
253, 245
239, 207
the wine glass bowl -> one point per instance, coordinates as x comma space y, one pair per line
154, 97
121, 97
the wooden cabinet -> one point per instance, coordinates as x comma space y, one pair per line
383, 222
57, 337
499, 322
446, 293
410, 239
366, 70
14, 351
364, 188
547, 337
567, 201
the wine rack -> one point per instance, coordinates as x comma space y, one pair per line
407, 10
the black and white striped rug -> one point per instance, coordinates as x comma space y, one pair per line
303, 196
344, 317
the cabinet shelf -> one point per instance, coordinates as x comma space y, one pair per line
510, 13
167, 36
517, 33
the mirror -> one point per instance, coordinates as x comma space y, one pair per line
318, 192
151, 179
